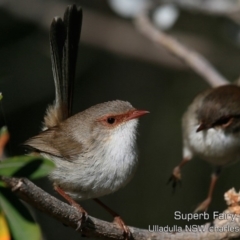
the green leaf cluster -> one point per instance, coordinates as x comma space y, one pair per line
20, 221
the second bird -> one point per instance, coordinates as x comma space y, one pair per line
211, 130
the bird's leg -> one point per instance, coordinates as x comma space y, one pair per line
74, 204
202, 207
117, 218
176, 174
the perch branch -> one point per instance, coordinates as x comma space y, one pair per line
193, 59
97, 228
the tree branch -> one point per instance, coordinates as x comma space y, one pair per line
193, 59
97, 228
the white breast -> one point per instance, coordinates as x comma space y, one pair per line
105, 169
212, 145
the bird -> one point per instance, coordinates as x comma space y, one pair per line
94, 150
211, 131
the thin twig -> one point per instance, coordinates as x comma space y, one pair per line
193, 59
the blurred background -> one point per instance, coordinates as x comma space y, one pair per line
116, 62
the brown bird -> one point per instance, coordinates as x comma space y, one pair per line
95, 150
211, 130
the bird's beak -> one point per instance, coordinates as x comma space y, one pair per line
136, 114
202, 127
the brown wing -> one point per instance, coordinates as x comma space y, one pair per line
55, 142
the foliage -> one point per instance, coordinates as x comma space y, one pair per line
15, 219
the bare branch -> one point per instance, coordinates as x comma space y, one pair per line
97, 228
193, 59
61, 211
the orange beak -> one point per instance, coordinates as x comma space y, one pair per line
136, 114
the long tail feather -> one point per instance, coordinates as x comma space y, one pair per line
64, 39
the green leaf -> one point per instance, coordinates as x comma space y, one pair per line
26, 166
2, 184
1, 96
21, 223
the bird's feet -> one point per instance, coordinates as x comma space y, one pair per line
203, 207
175, 178
127, 233
117, 219
84, 214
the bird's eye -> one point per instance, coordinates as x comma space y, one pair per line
111, 120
